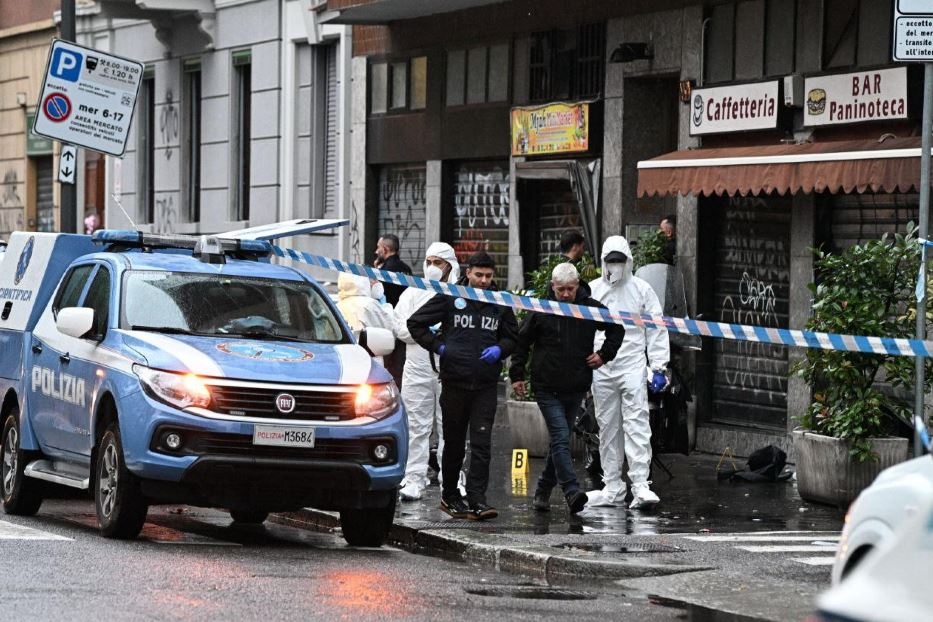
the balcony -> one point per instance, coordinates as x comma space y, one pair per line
386, 11
192, 20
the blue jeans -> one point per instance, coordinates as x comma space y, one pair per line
559, 410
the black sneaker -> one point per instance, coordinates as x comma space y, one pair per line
576, 501
457, 508
482, 511
542, 502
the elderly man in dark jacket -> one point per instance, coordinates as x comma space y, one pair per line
562, 364
474, 339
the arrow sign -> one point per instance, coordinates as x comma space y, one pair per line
66, 172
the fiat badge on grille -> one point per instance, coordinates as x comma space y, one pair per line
285, 403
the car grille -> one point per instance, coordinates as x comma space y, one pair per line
324, 448
310, 405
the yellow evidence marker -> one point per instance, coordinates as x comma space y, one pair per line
520, 466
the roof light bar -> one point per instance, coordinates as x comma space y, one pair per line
138, 239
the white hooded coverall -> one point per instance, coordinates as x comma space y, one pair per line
358, 307
620, 392
421, 389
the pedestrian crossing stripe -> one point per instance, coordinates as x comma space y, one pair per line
789, 548
12, 531
761, 538
815, 561
769, 542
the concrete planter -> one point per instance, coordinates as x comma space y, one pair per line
529, 431
826, 474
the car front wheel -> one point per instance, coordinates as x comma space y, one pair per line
368, 527
121, 507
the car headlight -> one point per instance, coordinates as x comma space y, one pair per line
178, 390
376, 400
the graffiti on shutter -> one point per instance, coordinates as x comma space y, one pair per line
481, 211
752, 287
402, 209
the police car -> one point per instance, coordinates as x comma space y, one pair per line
172, 369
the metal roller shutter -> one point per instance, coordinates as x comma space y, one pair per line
331, 135
752, 287
481, 211
558, 212
402, 209
858, 218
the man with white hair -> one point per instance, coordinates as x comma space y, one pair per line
562, 364
421, 388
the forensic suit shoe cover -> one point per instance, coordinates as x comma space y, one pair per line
411, 492
642, 497
608, 497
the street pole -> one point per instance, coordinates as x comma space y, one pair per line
69, 193
926, 143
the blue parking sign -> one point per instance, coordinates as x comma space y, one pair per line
66, 64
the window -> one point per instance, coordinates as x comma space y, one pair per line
145, 170
192, 145
325, 132
478, 75
399, 85
378, 87
419, 83
98, 298
71, 288
567, 64
240, 143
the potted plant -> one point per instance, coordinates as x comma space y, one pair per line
525, 419
847, 435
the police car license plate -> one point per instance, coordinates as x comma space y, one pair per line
282, 436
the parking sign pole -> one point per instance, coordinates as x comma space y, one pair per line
69, 192
926, 144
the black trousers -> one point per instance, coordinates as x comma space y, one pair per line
473, 411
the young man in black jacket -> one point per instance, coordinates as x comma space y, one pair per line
562, 365
474, 339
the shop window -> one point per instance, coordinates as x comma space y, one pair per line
419, 83
567, 64
145, 148
478, 75
378, 87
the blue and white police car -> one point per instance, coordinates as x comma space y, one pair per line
171, 369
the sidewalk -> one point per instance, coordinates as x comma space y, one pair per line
598, 542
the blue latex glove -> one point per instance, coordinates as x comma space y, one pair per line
440, 349
658, 382
491, 354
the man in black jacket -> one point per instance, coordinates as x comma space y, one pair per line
387, 258
562, 365
474, 339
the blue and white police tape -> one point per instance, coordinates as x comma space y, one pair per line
720, 330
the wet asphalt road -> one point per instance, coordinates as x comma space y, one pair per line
192, 564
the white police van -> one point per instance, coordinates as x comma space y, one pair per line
172, 369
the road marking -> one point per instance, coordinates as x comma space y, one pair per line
11, 531
788, 549
759, 538
815, 561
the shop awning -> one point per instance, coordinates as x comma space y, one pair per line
891, 165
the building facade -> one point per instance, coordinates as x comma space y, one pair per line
450, 118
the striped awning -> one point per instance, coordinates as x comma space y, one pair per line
891, 165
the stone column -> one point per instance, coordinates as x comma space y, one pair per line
434, 202
360, 178
802, 232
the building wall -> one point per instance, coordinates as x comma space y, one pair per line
23, 53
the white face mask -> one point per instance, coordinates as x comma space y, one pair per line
433, 273
377, 291
616, 270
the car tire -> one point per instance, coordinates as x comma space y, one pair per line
21, 495
368, 527
249, 517
118, 499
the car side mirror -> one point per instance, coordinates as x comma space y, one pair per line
75, 321
377, 341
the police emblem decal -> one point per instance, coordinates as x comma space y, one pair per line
460, 303
24, 259
265, 352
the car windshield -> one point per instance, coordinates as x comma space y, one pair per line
224, 306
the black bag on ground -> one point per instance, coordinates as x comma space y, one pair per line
764, 465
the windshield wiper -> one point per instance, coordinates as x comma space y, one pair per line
172, 330
262, 335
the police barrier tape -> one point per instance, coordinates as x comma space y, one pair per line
719, 330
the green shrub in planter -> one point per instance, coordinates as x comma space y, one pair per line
649, 249
867, 289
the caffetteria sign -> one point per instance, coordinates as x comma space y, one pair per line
735, 108
856, 97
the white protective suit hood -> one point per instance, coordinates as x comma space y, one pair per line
617, 243
446, 252
358, 306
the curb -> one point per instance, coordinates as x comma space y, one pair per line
494, 551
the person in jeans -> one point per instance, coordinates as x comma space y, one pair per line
562, 364
473, 340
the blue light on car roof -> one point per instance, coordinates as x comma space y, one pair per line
138, 239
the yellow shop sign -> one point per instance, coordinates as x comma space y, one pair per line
553, 128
